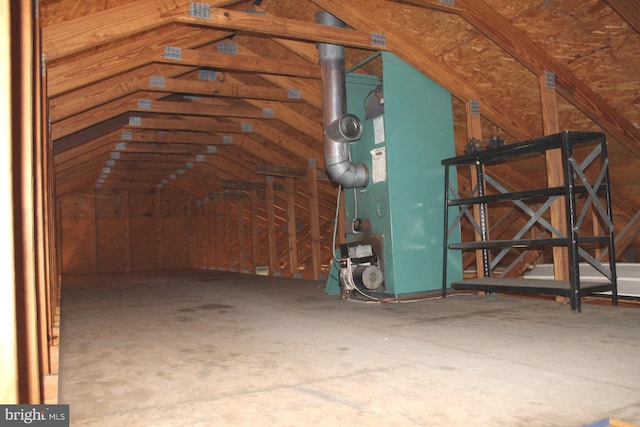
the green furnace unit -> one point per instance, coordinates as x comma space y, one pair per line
395, 223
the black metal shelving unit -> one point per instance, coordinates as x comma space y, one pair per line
594, 196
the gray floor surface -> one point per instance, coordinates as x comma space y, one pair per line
203, 348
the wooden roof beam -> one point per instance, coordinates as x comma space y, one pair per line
283, 27
111, 24
110, 89
222, 89
225, 61
115, 58
265, 169
191, 124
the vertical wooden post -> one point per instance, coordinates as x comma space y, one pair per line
42, 279
216, 234
26, 297
127, 230
312, 182
555, 175
206, 256
474, 130
8, 327
291, 224
241, 247
271, 227
341, 236
190, 239
93, 211
158, 216
227, 234
254, 228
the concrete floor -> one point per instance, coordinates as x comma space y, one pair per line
211, 349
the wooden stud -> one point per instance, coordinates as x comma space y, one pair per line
271, 226
28, 338
255, 250
127, 229
227, 234
241, 239
342, 222
555, 176
8, 327
219, 215
474, 130
191, 258
291, 225
39, 160
312, 184
159, 228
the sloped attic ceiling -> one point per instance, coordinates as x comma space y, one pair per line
157, 91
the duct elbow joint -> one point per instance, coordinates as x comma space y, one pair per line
346, 173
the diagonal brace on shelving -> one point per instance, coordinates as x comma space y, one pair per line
593, 195
464, 211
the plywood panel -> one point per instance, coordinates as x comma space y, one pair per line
175, 231
77, 232
175, 251
143, 243
143, 232
111, 232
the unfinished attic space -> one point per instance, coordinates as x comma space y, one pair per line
321, 212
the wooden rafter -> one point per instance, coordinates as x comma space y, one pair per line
111, 24
283, 27
629, 10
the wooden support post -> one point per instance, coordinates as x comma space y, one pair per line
206, 256
127, 230
190, 239
26, 296
271, 226
227, 234
93, 211
314, 215
254, 229
598, 230
42, 279
8, 338
216, 234
158, 217
241, 246
554, 171
342, 222
291, 224
474, 130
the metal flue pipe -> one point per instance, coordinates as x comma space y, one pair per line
339, 128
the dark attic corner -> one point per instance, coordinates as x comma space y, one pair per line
285, 212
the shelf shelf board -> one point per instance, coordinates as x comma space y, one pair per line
537, 145
519, 195
523, 243
535, 286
